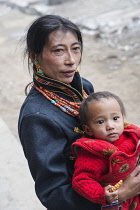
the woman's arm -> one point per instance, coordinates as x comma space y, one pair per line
44, 143
131, 186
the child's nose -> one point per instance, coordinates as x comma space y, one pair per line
109, 125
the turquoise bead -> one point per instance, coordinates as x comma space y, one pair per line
53, 101
40, 72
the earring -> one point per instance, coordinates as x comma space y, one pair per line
38, 69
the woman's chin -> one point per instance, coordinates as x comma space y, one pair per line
67, 80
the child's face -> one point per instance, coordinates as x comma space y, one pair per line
106, 121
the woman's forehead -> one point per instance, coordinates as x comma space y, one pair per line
59, 36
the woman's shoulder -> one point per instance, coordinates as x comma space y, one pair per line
87, 85
35, 103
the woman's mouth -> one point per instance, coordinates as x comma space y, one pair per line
69, 73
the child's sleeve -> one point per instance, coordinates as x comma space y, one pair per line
88, 170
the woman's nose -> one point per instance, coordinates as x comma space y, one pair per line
69, 59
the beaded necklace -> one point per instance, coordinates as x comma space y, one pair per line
51, 83
69, 107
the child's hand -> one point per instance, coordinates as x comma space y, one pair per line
110, 196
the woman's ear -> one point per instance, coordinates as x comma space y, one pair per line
32, 56
87, 130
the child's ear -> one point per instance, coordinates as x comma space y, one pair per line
87, 130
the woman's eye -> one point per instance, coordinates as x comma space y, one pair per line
58, 51
77, 49
100, 122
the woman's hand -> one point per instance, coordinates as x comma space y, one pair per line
131, 186
110, 196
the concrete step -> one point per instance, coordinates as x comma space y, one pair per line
16, 184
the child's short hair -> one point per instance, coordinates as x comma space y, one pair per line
94, 97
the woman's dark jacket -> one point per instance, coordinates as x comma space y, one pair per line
46, 134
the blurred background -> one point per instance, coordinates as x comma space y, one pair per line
111, 61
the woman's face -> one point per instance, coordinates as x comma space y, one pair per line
61, 56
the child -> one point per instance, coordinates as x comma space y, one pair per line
107, 153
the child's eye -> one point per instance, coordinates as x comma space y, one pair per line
100, 122
115, 118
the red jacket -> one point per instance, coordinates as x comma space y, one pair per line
99, 163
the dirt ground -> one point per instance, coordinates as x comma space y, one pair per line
115, 70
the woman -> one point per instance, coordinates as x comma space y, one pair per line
48, 121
